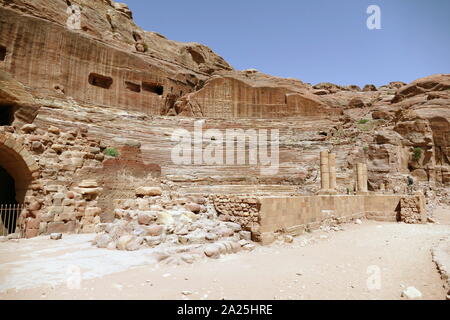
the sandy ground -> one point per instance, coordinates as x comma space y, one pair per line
369, 261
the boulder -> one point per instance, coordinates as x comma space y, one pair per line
123, 242
148, 191
154, 230
356, 103
29, 128
212, 251
369, 87
103, 240
134, 244
165, 218
56, 236
146, 218
153, 241
194, 207
88, 184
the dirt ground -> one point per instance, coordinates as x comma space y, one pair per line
373, 260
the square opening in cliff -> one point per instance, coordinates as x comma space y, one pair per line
133, 86
2, 53
100, 81
153, 88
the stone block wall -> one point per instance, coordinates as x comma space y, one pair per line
382, 207
296, 215
244, 210
412, 210
57, 175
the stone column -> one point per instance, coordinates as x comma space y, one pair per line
324, 171
365, 178
356, 176
332, 170
359, 176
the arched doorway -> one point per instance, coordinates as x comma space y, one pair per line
9, 208
16, 167
7, 188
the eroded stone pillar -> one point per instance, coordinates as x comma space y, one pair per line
365, 178
361, 177
332, 170
324, 171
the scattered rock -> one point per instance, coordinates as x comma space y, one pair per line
13, 236
102, 240
123, 242
56, 236
245, 235
411, 293
29, 128
431, 220
154, 230
194, 207
249, 247
148, 191
88, 184
212, 251
288, 239
134, 244
146, 218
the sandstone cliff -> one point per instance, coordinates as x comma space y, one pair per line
112, 85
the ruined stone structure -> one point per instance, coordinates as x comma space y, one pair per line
361, 178
327, 173
87, 116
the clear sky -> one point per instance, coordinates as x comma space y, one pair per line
314, 41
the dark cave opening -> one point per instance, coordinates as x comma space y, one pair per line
6, 115
9, 213
153, 88
100, 81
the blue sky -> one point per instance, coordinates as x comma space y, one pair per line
314, 41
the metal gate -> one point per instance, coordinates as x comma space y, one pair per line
9, 218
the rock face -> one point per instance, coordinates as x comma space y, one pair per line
110, 70
87, 116
239, 95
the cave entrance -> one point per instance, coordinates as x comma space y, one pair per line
6, 115
9, 207
153, 88
17, 166
2, 53
99, 80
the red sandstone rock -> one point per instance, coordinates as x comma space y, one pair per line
120, 101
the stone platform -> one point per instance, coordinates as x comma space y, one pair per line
267, 215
